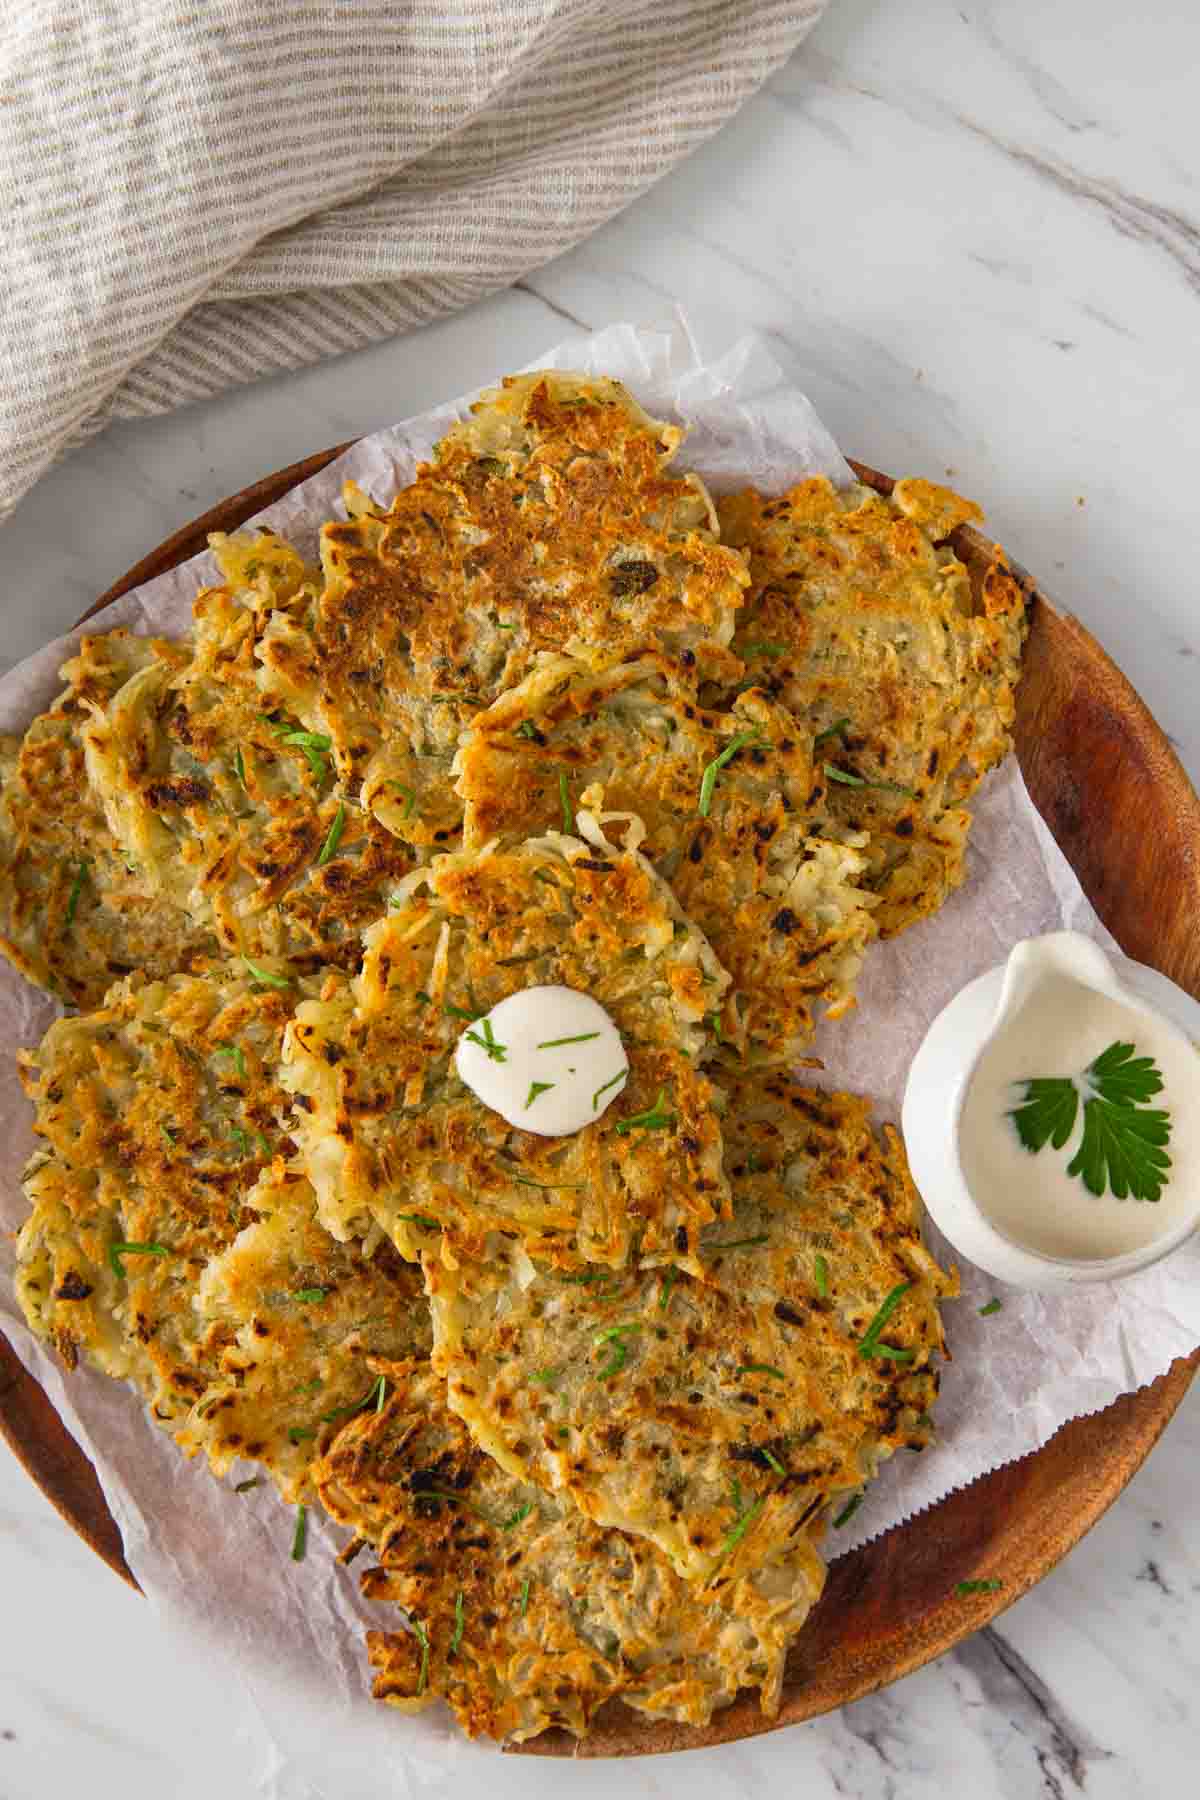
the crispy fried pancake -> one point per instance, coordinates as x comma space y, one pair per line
701, 1414
392, 1136
75, 915
159, 1111
860, 619
231, 812
547, 521
304, 1313
525, 1615
726, 798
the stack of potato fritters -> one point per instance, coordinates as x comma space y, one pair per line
590, 1399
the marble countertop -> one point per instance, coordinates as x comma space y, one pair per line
976, 231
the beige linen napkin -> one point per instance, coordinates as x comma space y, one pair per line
198, 194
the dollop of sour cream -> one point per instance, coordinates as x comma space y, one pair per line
547, 1059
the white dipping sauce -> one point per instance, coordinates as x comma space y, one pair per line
549, 1060
1060, 1029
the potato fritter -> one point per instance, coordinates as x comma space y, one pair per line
526, 1616
860, 620
547, 521
727, 799
306, 1313
230, 811
158, 1112
390, 1134
75, 913
709, 1414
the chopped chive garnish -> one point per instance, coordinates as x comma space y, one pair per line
241, 1139
422, 1637
708, 780
300, 1540
584, 1037
459, 1012
308, 740
860, 781
742, 1526
993, 1306
564, 796
545, 1376
664, 1292
423, 997
525, 1587
977, 1587
848, 1511
496, 1052
239, 766
869, 1344
117, 1251
890, 1353
527, 729
457, 1634
265, 976
409, 794
329, 847
76, 890
168, 1136
298, 1433
655, 1118
619, 1076
437, 1493
236, 1055
243, 1487
263, 1145
583, 1280
713, 1021
761, 1369
536, 1088
309, 1296
821, 1276
375, 1396
760, 647
774, 1462
548, 1186
614, 1335
838, 729
740, 1243
514, 1519
422, 1219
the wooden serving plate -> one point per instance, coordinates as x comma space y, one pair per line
1117, 800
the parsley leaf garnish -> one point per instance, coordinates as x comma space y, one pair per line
1124, 1141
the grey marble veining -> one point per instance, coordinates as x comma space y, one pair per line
975, 230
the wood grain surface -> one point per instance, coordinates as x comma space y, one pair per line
1120, 805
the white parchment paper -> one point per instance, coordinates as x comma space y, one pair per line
219, 1563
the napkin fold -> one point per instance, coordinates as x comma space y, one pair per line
199, 195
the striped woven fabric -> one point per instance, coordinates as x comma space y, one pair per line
199, 194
